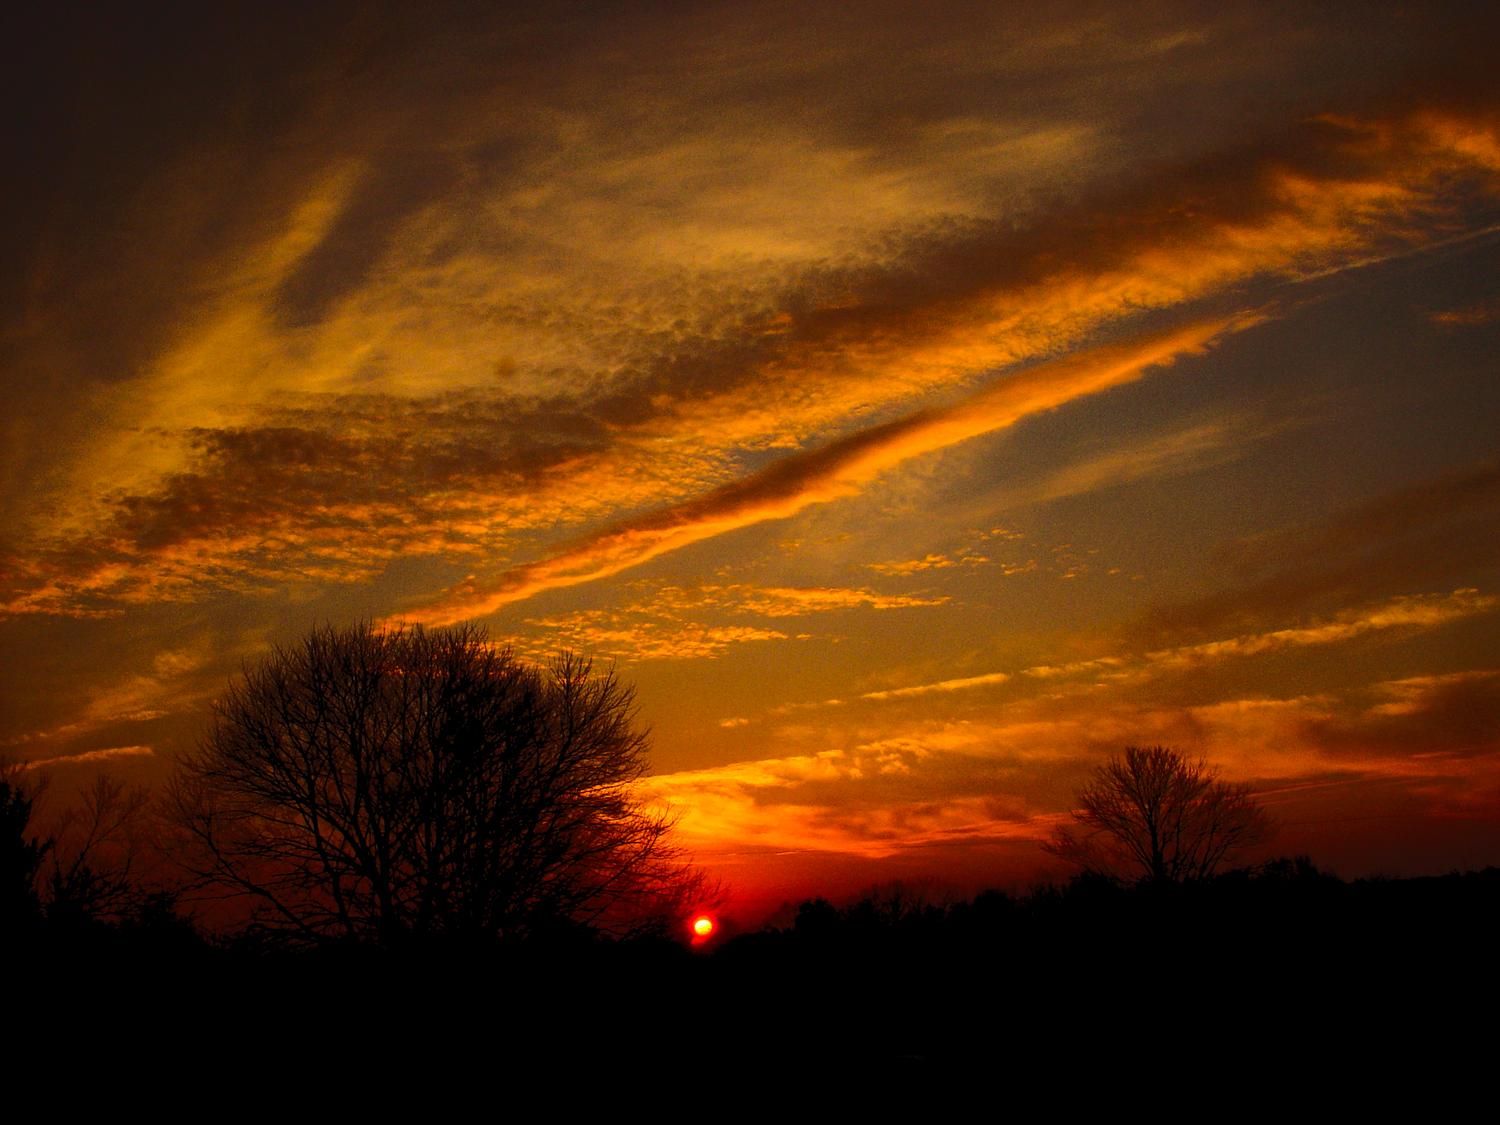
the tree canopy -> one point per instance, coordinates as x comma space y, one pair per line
391, 784
1153, 814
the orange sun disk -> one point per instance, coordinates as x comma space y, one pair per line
703, 925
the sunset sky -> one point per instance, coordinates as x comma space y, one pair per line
917, 402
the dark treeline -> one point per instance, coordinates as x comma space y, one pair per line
1283, 951
1281, 912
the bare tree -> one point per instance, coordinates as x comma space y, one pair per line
395, 784
94, 850
82, 869
1153, 814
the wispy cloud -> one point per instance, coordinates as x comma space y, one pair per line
674, 401
1425, 611
1010, 777
970, 554
1357, 554
794, 601
1480, 312
858, 802
688, 622
88, 757
960, 684
1414, 613
837, 470
647, 639
1185, 450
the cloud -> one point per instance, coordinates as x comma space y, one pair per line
1412, 508
600, 407
1360, 552
1186, 450
837, 470
677, 622
608, 633
87, 757
875, 800
940, 686
1421, 611
1424, 723
386, 303
329, 490
1413, 613
794, 601
1480, 312
1411, 693
1104, 665
129, 694
1301, 212
966, 555
1011, 776
927, 562
772, 601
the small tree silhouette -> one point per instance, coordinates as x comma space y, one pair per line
390, 785
20, 856
1154, 815
93, 852
80, 872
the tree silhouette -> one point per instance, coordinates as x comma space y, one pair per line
20, 856
80, 871
390, 785
93, 849
1153, 814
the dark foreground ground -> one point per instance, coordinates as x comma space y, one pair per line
1255, 982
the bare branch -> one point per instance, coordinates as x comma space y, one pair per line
389, 785
1153, 814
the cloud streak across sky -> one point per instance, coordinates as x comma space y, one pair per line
833, 472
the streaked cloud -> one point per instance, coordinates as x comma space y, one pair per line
788, 601
646, 639
689, 622
1422, 611
1355, 554
89, 757
1012, 779
960, 684
1426, 725
1186, 450
1411, 614
832, 472
152, 513
783, 805
927, 562
1480, 312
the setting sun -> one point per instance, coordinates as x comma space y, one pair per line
703, 926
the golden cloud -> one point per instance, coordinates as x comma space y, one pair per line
654, 412
837, 470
